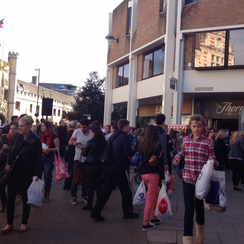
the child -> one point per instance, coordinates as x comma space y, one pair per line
196, 150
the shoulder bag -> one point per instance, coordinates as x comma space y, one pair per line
5, 178
153, 161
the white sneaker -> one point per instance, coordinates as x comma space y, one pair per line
84, 200
74, 201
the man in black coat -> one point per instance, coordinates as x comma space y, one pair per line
118, 173
14, 119
61, 131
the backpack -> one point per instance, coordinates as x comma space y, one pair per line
107, 156
135, 161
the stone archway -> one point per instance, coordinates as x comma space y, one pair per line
2, 119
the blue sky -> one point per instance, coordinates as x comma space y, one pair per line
65, 39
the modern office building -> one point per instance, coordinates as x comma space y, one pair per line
66, 89
195, 46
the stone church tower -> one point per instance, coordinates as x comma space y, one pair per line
12, 59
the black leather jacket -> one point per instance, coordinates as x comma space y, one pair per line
93, 151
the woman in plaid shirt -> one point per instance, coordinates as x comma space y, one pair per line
196, 150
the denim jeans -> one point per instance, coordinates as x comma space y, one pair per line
74, 186
47, 167
190, 202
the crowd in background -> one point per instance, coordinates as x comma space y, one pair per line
84, 142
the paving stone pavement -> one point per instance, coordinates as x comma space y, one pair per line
224, 228
60, 222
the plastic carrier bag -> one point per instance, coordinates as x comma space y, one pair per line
61, 171
163, 207
141, 195
135, 161
34, 193
216, 198
169, 182
204, 180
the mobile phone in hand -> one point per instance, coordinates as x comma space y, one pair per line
79, 144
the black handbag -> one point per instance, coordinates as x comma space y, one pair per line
6, 175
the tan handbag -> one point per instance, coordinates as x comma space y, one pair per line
153, 161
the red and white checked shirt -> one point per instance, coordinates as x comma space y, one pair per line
196, 154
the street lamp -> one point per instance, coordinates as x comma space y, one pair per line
37, 112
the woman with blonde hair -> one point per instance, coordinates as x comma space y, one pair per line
28, 146
236, 158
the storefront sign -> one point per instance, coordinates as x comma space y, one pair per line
203, 88
172, 83
215, 109
227, 107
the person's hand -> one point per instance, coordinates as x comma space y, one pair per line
176, 161
37, 178
215, 164
7, 168
80, 146
163, 182
5, 146
46, 151
166, 167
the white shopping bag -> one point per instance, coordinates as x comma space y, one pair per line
204, 180
141, 195
34, 193
218, 176
167, 177
163, 207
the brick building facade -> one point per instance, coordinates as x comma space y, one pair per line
198, 42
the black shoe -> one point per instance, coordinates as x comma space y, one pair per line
148, 227
236, 188
87, 208
131, 216
97, 217
66, 188
156, 221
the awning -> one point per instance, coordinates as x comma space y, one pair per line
178, 127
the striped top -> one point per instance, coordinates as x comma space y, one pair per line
196, 154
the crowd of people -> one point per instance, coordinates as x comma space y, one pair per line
32, 150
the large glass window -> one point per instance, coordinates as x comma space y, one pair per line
236, 47
222, 49
122, 75
163, 5
189, 1
210, 49
153, 63
129, 20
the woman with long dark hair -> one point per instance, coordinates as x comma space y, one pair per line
28, 146
6, 140
151, 175
94, 167
50, 145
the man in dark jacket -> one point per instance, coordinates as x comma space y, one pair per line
160, 121
14, 119
61, 131
118, 173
